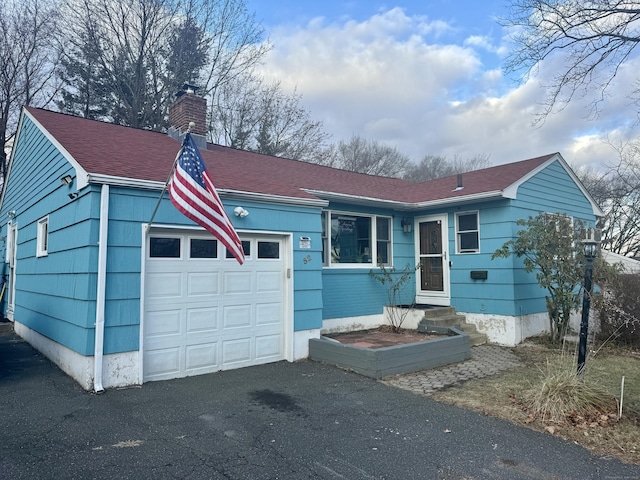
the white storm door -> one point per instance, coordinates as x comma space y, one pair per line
432, 277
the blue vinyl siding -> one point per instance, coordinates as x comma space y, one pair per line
55, 294
128, 208
349, 292
509, 290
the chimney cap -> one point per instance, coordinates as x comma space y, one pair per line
187, 88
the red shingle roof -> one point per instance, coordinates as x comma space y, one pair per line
106, 149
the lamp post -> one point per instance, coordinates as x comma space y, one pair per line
590, 253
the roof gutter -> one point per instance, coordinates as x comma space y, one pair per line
101, 290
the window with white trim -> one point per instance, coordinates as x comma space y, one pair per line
356, 240
467, 232
42, 238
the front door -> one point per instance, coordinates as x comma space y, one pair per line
432, 253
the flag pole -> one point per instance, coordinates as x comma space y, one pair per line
164, 189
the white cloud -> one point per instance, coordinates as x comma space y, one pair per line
387, 79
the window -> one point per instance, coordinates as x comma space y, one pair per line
42, 240
164, 247
355, 239
269, 250
203, 248
246, 248
467, 233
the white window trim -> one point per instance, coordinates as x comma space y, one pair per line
458, 249
42, 237
327, 263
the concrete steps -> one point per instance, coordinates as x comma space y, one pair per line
448, 317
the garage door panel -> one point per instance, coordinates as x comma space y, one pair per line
235, 351
237, 283
163, 362
163, 323
162, 285
269, 282
203, 284
204, 355
201, 320
236, 316
268, 346
268, 314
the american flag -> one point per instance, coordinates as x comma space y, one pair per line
192, 192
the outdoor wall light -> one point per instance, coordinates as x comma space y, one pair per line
66, 180
406, 225
11, 214
240, 212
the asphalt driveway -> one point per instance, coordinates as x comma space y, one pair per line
280, 421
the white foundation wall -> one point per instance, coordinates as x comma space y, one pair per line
410, 319
509, 330
301, 343
352, 324
119, 370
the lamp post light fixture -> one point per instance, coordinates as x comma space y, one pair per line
590, 252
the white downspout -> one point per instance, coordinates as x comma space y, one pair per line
101, 293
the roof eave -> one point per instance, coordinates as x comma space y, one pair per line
359, 200
406, 206
224, 193
463, 199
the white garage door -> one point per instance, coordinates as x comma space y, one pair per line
204, 312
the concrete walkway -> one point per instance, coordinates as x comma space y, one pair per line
485, 360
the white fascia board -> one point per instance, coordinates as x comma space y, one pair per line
512, 190
224, 193
82, 177
405, 206
360, 200
476, 197
267, 198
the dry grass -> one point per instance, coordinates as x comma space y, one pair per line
545, 394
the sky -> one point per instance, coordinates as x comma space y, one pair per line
427, 78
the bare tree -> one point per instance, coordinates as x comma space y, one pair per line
262, 118
28, 59
595, 38
143, 50
368, 156
437, 166
617, 191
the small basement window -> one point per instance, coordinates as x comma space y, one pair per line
42, 240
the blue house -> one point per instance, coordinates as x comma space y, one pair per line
116, 300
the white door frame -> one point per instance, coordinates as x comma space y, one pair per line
430, 297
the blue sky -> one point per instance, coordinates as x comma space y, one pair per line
427, 78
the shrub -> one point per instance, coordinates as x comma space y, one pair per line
562, 394
619, 311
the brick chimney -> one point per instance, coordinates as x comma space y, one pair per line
189, 107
